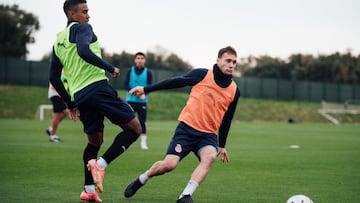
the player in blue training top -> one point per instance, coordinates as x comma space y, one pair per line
139, 75
77, 51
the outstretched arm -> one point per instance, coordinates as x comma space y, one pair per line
190, 78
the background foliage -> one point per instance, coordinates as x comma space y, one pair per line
334, 68
22, 102
16, 31
17, 28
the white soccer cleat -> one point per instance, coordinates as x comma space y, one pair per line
144, 146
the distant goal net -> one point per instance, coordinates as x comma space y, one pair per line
348, 107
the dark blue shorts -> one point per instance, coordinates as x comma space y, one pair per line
58, 104
141, 110
104, 102
187, 139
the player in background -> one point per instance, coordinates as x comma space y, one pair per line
77, 51
139, 75
209, 110
59, 110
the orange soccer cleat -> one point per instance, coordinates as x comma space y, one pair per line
97, 173
89, 197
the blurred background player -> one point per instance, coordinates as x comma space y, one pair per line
59, 110
139, 75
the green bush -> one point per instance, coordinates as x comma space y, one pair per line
23, 102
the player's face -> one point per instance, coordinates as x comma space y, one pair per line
80, 14
227, 63
139, 61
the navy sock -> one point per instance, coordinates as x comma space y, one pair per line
90, 152
121, 143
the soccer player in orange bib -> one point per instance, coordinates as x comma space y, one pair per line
208, 111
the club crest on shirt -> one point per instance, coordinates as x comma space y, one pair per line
178, 148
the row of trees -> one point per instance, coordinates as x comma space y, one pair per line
334, 68
164, 61
17, 28
167, 61
16, 31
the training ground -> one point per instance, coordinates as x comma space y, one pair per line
263, 166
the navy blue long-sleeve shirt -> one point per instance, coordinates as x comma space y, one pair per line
82, 34
192, 78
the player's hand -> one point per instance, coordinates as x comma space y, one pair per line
116, 72
138, 91
73, 114
142, 97
223, 155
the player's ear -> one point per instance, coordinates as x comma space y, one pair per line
72, 15
218, 60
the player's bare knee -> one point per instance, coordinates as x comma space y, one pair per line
136, 127
172, 162
138, 130
96, 143
133, 125
209, 158
95, 139
164, 166
167, 167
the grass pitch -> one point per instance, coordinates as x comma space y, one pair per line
262, 168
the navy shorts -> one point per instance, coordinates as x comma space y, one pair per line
104, 102
58, 104
187, 139
141, 109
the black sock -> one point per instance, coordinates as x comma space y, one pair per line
90, 152
121, 143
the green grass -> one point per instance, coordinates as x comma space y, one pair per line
262, 167
23, 102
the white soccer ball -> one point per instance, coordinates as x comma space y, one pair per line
299, 199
